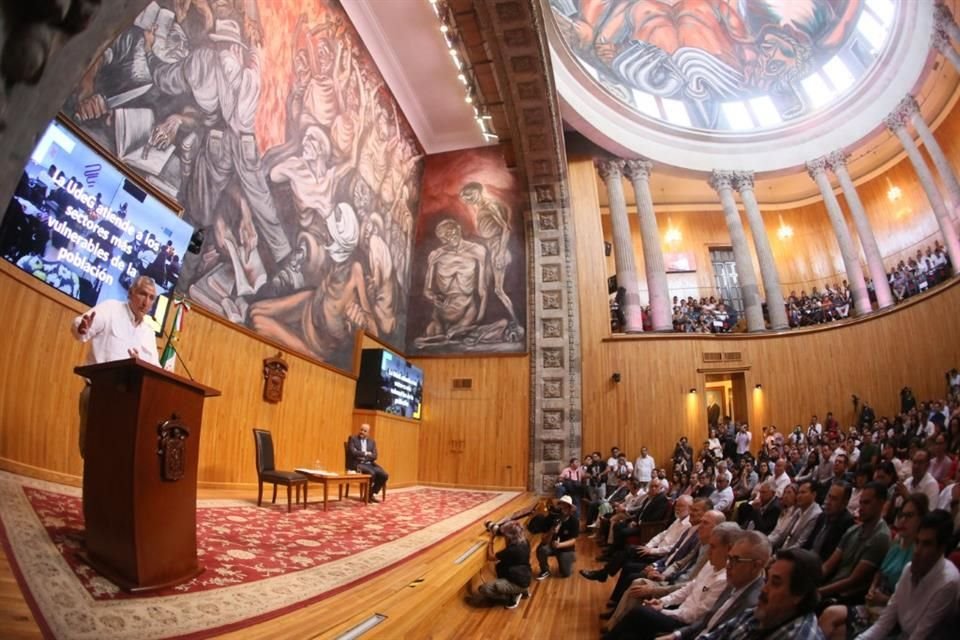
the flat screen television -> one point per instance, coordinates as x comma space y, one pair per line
389, 383
85, 226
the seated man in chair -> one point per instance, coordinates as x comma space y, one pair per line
362, 457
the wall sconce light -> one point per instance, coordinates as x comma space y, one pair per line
893, 193
693, 390
758, 386
785, 231
616, 376
673, 234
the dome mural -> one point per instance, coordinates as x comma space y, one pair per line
725, 65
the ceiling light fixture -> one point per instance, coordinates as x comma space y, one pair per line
458, 53
673, 235
785, 231
893, 193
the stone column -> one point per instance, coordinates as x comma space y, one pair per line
943, 19
851, 263
743, 180
638, 171
944, 168
897, 123
612, 171
837, 161
722, 183
941, 42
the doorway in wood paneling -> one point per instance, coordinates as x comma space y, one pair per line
725, 397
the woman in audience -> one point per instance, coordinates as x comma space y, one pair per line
914, 508
788, 509
681, 486
746, 481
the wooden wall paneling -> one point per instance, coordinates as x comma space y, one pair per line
38, 397
593, 269
801, 374
477, 436
310, 423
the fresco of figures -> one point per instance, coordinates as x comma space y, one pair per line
269, 122
704, 52
468, 288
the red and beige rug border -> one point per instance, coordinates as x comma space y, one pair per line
64, 609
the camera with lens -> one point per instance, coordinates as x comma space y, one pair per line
541, 523
493, 528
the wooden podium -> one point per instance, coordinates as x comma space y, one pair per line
140, 473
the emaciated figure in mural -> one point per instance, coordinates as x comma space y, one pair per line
456, 283
493, 226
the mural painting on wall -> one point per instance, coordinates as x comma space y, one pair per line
269, 121
707, 52
468, 287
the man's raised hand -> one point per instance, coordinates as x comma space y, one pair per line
85, 323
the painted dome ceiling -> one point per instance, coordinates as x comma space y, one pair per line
725, 65
680, 80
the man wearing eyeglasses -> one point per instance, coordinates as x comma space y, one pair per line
689, 603
745, 565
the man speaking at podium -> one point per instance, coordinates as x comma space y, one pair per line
116, 331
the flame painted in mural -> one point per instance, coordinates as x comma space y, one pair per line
270, 123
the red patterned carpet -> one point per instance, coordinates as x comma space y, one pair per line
259, 562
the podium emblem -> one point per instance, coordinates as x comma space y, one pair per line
172, 448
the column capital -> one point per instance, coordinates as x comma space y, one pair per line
638, 169
836, 160
942, 16
743, 180
817, 167
900, 116
940, 39
895, 121
610, 169
720, 180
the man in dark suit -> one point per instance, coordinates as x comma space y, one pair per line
362, 457
653, 508
763, 515
745, 565
832, 523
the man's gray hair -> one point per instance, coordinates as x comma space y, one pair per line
142, 281
716, 517
758, 545
728, 533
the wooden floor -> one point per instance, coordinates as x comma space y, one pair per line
422, 598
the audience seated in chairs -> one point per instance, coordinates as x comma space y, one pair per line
641, 580
688, 604
828, 564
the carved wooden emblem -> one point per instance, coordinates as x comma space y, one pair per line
172, 437
274, 373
